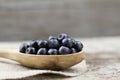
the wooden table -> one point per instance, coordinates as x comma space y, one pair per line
103, 60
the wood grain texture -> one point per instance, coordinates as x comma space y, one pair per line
54, 62
33, 19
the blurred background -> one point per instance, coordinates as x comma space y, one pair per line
37, 19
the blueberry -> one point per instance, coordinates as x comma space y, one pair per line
74, 43
78, 46
42, 51
62, 44
30, 50
62, 36
64, 50
52, 37
34, 43
73, 50
67, 42
23, 47
52, 52
53, 43
43, 44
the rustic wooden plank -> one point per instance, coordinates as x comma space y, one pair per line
30, 19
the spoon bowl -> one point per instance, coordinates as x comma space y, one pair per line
53, 62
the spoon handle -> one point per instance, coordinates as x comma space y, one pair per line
8, 55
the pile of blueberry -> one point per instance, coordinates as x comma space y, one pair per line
60, 45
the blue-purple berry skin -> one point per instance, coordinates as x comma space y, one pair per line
52, 37
73, 50
52, 52
53, 43
42, 43
34, 43
64, 50
62, 36
42, 51
62, 44
30, 50
74, 43
67, 42
78, 46
23, 47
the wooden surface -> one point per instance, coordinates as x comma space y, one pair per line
103, 60
54, 62
32, 19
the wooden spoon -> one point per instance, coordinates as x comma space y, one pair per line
54, 62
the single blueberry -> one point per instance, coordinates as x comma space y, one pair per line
30, 50
51, 37
42, 51
74, 43
62, 36
34, 43
42, 43
73, 50
52, 52
23, 47
78, 46
53, 43
67, 42
64, 50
